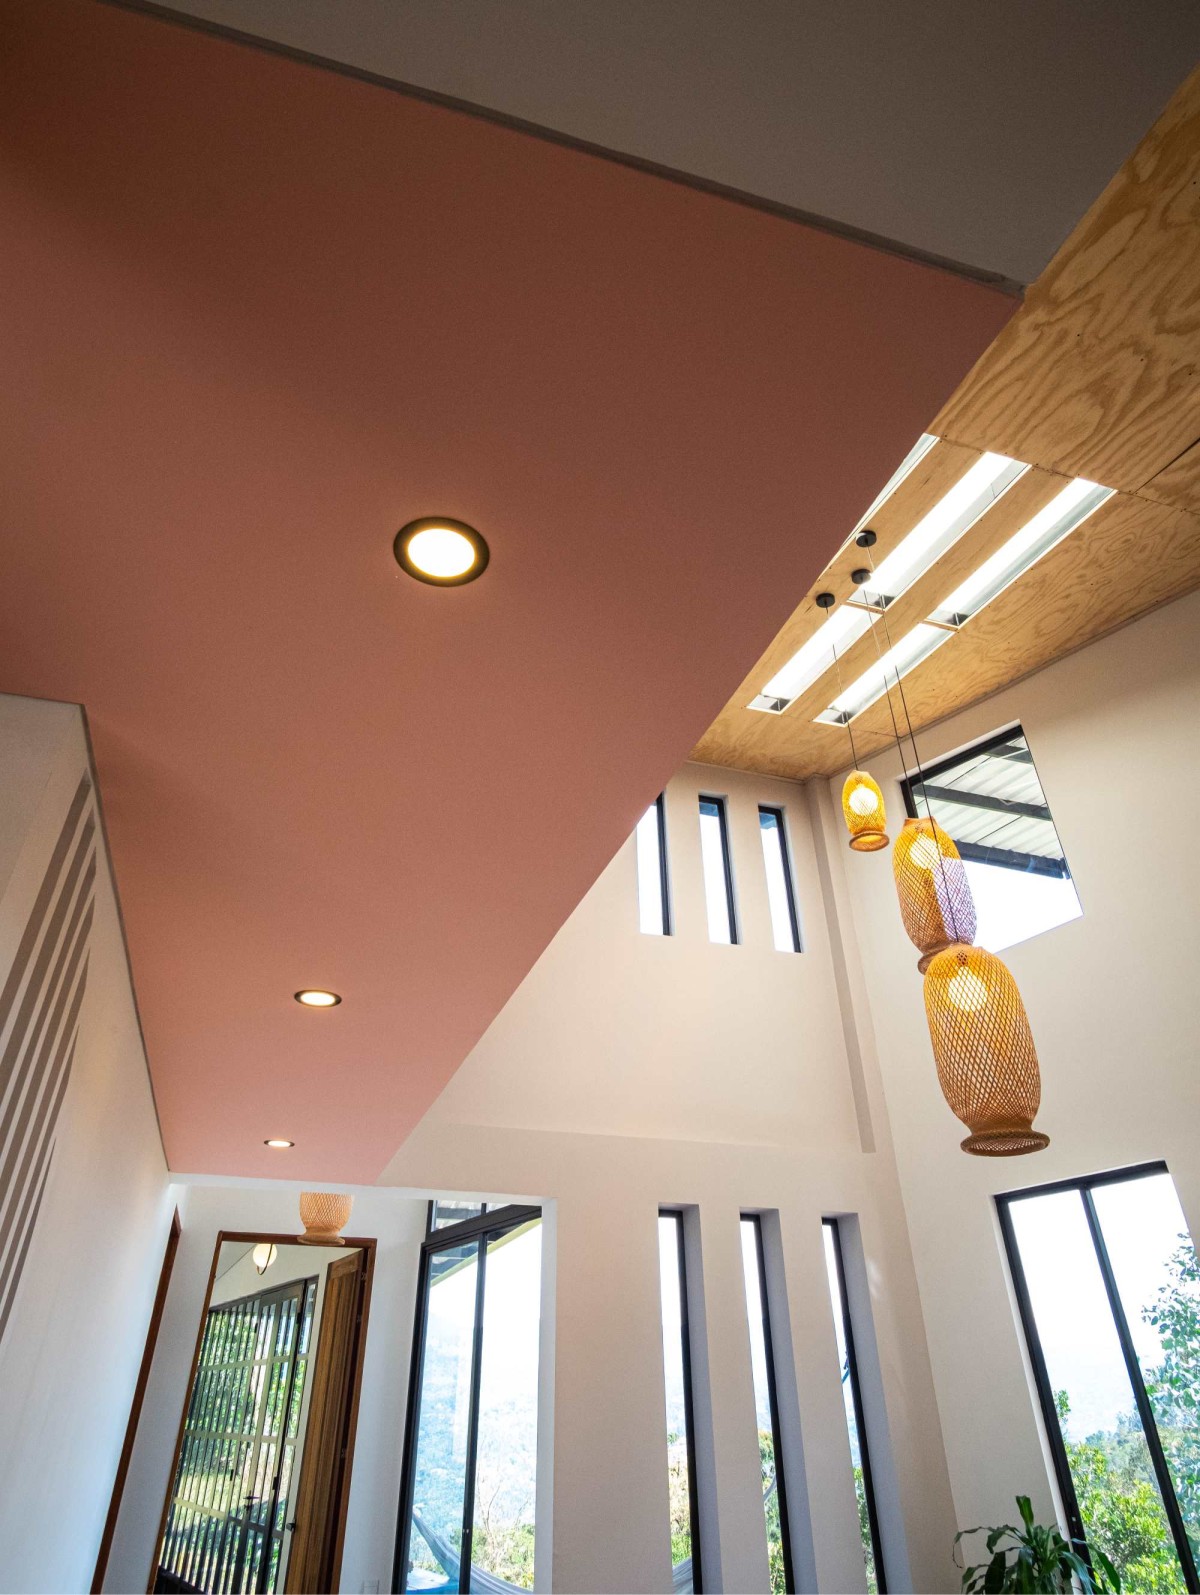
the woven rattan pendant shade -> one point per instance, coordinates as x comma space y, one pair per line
935, 898
324, 1215
866, 818
983, 1047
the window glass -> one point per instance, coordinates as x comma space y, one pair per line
766, 1415
651, 835
1112, 1311
989, 799
852, 1401
718, 874
442, 1214
781, 897
676, 1366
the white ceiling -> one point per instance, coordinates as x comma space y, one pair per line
972, 131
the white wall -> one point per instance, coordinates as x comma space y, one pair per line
1109, 996
70, 1355
630, 1071
396, 1221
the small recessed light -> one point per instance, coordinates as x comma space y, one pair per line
279, 1144
318, 999
444, 552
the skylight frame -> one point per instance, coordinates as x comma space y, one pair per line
887, 671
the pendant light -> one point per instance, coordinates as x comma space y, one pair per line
982, 1045
935, 897
983, 1048
862, 801
324, 1215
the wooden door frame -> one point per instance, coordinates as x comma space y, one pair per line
366, 1244
135, 1406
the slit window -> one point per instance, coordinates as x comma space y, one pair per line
766, 1406
677, 1367
470, 1460
654, 906
989, 799
1108, 1287
868, 1522
781, 890
718, 871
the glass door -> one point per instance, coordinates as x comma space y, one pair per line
470, 1465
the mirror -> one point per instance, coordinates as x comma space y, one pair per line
261, 1473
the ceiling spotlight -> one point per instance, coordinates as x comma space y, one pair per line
279, 1144
318, 999
444, 552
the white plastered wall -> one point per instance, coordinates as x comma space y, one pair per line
1113, 731
631, 1071
70, 1355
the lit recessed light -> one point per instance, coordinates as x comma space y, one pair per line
318, 999
444, 552
279, 1144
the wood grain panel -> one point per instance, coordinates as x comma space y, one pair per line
1179, 484
1097, 374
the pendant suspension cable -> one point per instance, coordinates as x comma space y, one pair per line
826, 602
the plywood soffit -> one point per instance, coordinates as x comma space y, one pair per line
1096, 376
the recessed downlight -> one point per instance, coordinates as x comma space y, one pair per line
278, 1143
444, 552
318, 999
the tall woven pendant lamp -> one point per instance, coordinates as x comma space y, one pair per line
987, 1065
862, 801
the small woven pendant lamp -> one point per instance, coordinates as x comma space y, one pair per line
986, 1062
862, 801
935, 898
862, 805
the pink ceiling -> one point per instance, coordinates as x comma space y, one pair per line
255, 316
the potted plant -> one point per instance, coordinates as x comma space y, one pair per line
1037, 1561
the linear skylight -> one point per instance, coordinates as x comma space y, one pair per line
914, 646
913, 458
1065, 511
808, 663
954, 513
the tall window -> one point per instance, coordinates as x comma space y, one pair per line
781, 891
470, 1462
677, 1366
868, 1522
1108, 1286
718, 871
989, 799
654, 905
766, 1406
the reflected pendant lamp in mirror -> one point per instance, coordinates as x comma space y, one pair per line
986, 1061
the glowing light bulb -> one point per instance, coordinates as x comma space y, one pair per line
925, 852
967, 992
264, 1254
863, 800
441, 551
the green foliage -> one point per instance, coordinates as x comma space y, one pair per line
1036, 1561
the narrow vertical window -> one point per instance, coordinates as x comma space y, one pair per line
1108, 1286
654, 907
781, 891
766, 1406
868, 1523
718, 871
470, 1461
677, 1366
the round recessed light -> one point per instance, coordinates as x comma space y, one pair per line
444, 552
318, 999
279, 1144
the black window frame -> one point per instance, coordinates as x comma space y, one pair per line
785, 1535
722, 808
664, 875
860, 1417
1085, 1185
689, 1411
779, 815
974, 852
483, 1228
